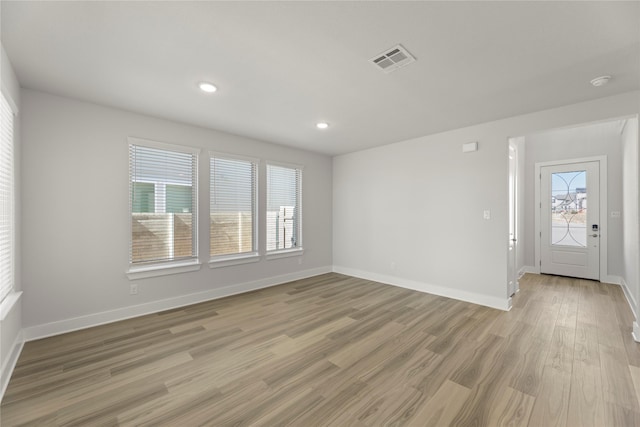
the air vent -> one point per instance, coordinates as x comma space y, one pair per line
392, 59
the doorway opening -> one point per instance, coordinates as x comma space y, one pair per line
578, 213
575, 219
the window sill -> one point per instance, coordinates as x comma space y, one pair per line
8, 302
285, 253
227, 261
162, 269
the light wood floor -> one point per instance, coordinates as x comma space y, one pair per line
339, 351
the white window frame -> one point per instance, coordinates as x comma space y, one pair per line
163, 268
246, 257
299, 249
10, 289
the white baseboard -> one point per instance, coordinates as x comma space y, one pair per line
472, 297
10, 363
529, 269
630, 298
633, 305
614, 280
69, 325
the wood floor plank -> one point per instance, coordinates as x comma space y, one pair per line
609, 333
552, 403
616, 415
493, 378
617, 383
443, 406
471, 368
635, 377
586, 404
334, 350
355, 350
527, 376
513, 408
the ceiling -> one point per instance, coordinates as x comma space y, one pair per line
283, 66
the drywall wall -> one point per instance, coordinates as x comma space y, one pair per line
631, 212
76, 224
11, 308
588, 140
411, 213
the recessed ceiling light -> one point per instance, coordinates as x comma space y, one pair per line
207, 87
322, 125
600, 81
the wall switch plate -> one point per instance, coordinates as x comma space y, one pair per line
133, 289
487, 214
615, 214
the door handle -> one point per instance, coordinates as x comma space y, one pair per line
594, 235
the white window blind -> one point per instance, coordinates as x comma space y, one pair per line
7, 200
232, 187
284, 186
163, 203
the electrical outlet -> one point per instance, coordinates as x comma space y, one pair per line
299, 261
487, 214
133, 289
615, 214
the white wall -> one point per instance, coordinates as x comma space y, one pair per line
419, 204
587, 140
630, 212
75, 221
11, 309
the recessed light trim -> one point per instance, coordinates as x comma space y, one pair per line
322, 125
600, 81
207, 87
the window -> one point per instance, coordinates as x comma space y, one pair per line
7, 199
232, 211
163, 203
283, 207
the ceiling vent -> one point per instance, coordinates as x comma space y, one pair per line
392, 59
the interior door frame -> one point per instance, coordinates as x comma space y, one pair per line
604, 213
514, 211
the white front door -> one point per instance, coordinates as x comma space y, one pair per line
570, 220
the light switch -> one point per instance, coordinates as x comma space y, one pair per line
487, 214
615, 214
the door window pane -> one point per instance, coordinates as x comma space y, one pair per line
569, 209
